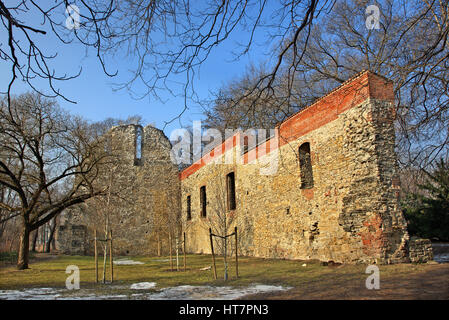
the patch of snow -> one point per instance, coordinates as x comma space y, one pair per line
206, 268
143, 285
30, 294
211, 293
164, 260
127, 262
442, 257
112, 297
440, 252
185, 292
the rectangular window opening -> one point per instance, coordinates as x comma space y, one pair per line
203, 201
230, 186
138, 146
189, 208
305, 164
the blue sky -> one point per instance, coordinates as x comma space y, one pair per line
93, 92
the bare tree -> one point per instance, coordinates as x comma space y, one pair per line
102, 210
221, 219
52, 226
168, 40
10, 235
242, 104
410, 47
23, 50
106, 210
42, 148
7, 218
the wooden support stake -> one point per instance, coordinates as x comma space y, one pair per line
158, 245
43, 238
96, 256
236, 254
169, 244
184, 250
177, 251
110, 257
105, 255
213, 255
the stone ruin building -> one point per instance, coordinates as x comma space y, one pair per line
148, 182
323, 186
332, 192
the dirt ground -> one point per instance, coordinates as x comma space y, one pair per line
308, 280
433, 284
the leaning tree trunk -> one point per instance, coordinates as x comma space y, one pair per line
24, 248
51, 236
35, 236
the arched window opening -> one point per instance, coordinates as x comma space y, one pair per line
305, 165
230, 186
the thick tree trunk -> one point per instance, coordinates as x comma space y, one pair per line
24, 248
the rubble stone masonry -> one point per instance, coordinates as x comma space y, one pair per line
149, 187
324, 186
351, 214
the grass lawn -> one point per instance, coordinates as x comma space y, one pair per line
313, 281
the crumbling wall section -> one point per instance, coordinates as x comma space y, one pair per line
71, 236
420, 250
148, 190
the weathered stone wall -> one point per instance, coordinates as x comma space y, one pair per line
420, 250
72, 239
71, 236
149, 190
352, 212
